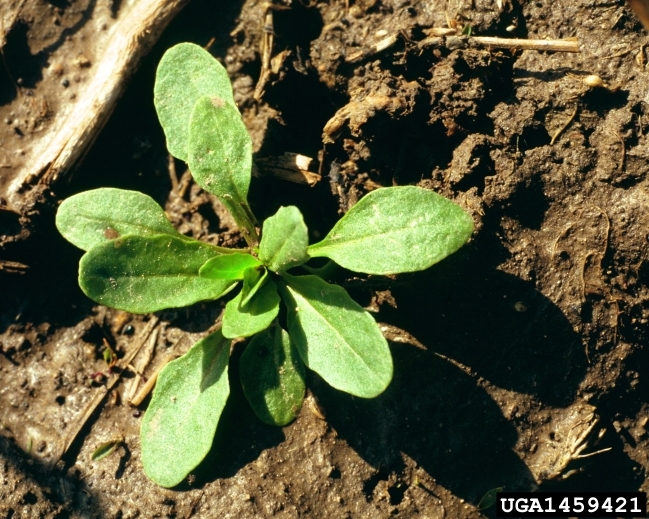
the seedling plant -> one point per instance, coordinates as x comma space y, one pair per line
136, 261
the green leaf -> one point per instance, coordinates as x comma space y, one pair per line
142, 274
253, 280
105, 449
220, 156
93, 217
272, 376
284, 240
185, 73
396, 229
179, 425
246, 320
489, 499
230, 266
336, 338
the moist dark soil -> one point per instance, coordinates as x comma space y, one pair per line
514, 358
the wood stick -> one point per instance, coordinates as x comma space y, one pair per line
133, 35
456, 41
522, 44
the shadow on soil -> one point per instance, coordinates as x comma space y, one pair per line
506, 333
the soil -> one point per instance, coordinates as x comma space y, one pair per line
514, 358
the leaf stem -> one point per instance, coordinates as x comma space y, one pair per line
246, 221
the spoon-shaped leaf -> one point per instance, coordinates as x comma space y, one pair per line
396, 229
93, 217
272, 376
284, 240
230, 266
185, 73
220, 156
179, 425
245, 320
142, 274
336, 338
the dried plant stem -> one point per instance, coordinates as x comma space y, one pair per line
522, 44
144, 359
148, 386
75, 427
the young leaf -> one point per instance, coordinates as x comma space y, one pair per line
93, 217
272, 376
284, 240
220, 156
179, 425
106, 449
489, 499
396, 229
336, 338
246, 320
142, 274
253, 280
185, 73
230, 266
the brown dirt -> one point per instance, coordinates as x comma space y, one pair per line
534, 334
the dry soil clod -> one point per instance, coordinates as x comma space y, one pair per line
358, 112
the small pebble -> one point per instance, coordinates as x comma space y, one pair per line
137, 413
65, 83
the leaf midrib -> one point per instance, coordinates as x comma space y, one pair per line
141, 276
335, 241
283, 246
323, 318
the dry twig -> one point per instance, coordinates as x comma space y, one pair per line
148, 386
144, 359
521, 44
289, 166
450, 37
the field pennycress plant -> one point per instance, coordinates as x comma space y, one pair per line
136, 261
